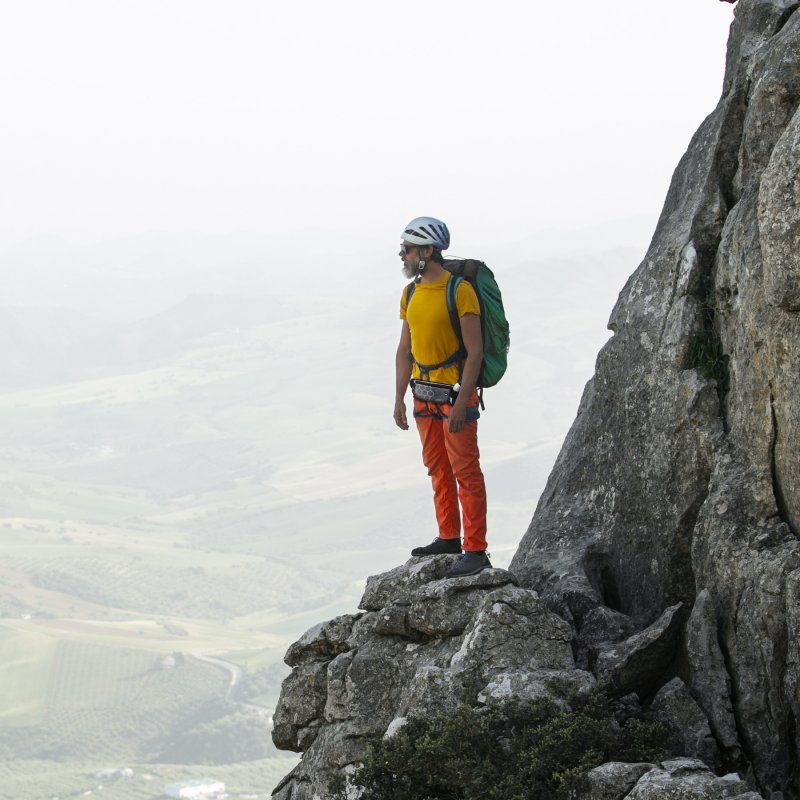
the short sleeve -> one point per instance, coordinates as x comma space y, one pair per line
467, 299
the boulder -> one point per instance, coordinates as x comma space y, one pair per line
445, 607
554, 685
709, 681
300, 708
600, 626
687, 779
638, 663
396, 586
322, 641
504, 628
690, 733
613, 780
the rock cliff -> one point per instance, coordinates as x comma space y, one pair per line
663, 554
680, 478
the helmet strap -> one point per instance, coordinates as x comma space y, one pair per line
421, 267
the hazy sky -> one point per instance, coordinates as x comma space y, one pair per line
307, 120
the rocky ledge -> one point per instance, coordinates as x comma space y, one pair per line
424, 643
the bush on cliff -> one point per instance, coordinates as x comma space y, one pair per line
514, 751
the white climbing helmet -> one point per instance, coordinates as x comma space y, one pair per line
427, 231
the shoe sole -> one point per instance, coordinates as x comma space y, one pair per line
467, 574
416, 553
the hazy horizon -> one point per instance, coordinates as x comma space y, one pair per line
315, 124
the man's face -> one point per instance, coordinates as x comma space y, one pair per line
409, 255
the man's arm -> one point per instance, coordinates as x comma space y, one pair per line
403, 365
473, 343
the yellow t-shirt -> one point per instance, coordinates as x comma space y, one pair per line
433, 339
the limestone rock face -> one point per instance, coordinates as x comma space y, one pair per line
424, 644
680, 479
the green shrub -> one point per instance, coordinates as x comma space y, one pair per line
514, 751
705, 352
708, 358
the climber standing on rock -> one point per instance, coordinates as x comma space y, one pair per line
443, 378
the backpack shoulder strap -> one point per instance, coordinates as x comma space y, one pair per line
453, 282
410, 291
471, 267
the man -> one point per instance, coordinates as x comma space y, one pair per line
430, 351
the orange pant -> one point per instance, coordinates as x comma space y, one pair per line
453, 462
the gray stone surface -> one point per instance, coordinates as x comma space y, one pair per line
791, 678
638, 663
677, 779
686, 779
709, 681
398, 585
601, 626
425, 645
298, 716
688, 726
671, 482
505, 625
322, 641
613, 780
553, 685
445, 607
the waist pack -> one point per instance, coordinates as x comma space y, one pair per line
432, 392
494, 325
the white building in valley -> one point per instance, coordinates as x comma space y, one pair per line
190, 790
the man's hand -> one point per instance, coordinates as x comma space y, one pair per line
400, 414
457, 417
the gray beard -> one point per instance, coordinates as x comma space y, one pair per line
410, 270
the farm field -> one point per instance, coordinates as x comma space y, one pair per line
45, 780
83, 702
102, 634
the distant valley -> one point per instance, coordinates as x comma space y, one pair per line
211, 479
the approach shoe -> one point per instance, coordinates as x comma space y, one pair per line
438, 547
469, 564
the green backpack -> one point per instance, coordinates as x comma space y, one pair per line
494, 325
